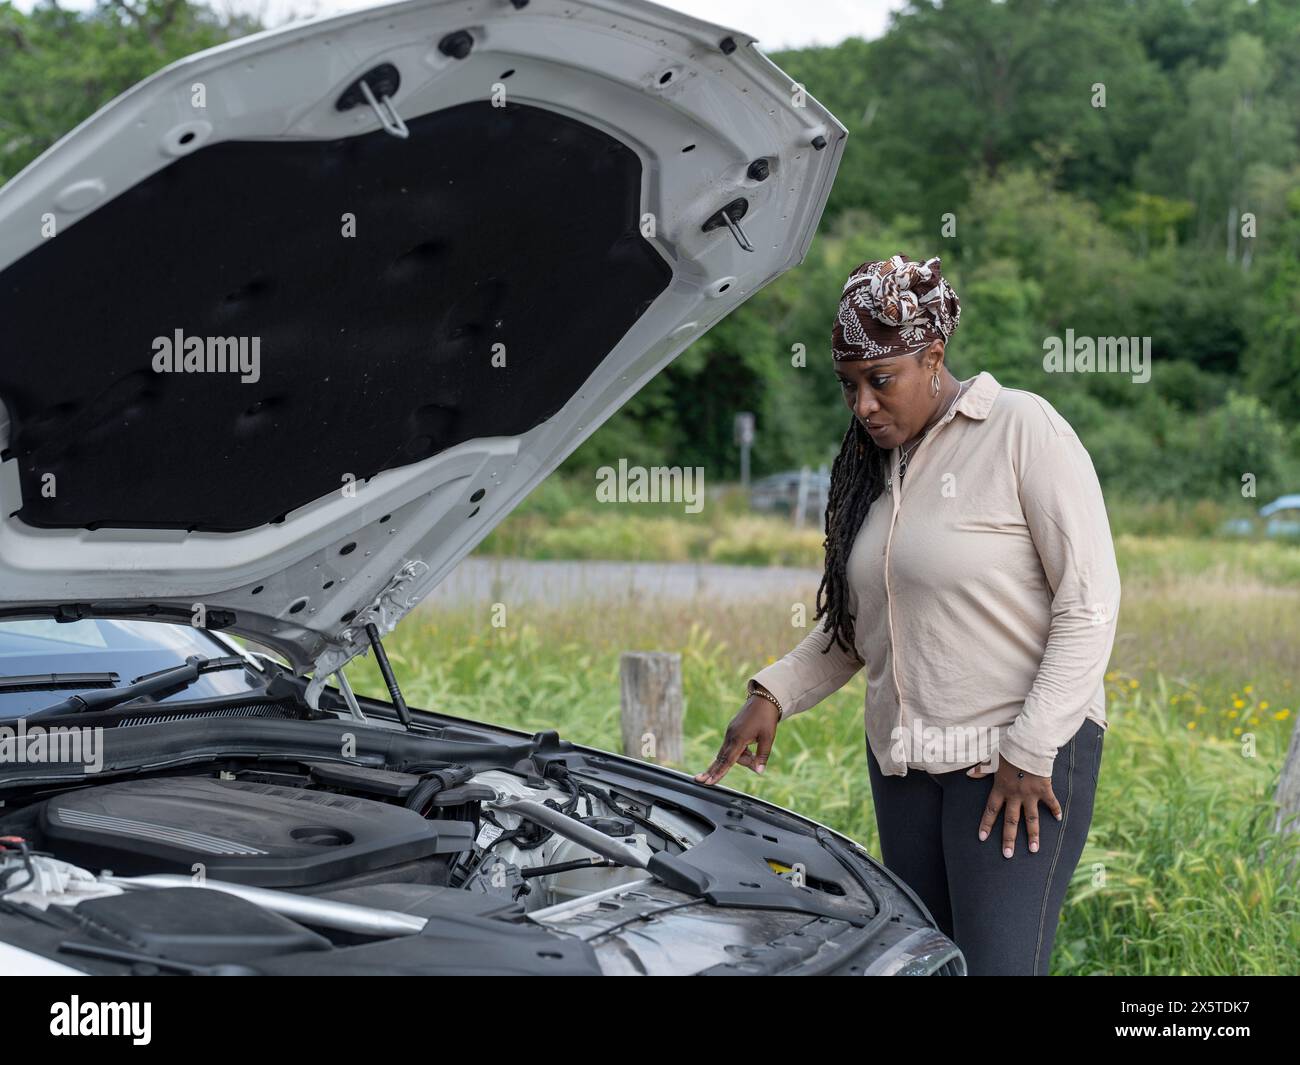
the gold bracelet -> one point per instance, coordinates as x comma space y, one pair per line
762, 693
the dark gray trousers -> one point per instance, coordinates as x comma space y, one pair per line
1001, 912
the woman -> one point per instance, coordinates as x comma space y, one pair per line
969, 566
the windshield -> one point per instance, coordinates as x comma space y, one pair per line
130, 649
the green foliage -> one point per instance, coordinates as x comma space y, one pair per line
1231, 133
58, 67
1240, 436
974, 136
1273, 352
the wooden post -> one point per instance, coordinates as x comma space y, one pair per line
1288, 787
651, 690
801, 502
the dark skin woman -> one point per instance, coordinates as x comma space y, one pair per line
893, 405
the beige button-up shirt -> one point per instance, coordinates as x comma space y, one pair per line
985, 594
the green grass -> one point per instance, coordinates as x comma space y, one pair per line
562, 518
580, 528
1182, 873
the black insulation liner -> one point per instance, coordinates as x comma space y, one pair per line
513, 226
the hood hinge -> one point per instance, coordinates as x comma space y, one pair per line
387, 609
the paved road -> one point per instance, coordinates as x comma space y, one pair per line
488, 580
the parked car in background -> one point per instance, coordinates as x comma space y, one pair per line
783, 492
1280, 518
1283, 515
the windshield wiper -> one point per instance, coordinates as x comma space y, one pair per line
47, 682
170, 681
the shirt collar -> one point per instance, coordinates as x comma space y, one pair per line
978, 400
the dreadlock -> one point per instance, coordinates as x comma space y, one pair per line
857, 479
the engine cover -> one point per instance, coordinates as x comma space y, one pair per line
249, 833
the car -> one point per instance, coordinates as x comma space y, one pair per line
1283, 520
781, 492
1283, 516
1237, 527
290, 327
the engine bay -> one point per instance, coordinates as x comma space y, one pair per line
319, 827
439, 850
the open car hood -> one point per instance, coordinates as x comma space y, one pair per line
415, 330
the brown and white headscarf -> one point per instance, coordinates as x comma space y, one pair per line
894, 307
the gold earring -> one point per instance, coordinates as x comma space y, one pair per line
934, 384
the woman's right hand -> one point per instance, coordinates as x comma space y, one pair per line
755, 723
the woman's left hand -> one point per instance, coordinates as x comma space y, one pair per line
1018, 794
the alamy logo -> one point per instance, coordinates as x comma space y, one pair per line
102, 1018
181, 354
1098, 355
944, 743
655, 484
52, 745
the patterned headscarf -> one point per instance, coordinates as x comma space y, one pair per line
894, 307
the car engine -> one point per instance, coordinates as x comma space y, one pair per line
331, 826
459, 851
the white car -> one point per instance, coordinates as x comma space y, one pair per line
289, 327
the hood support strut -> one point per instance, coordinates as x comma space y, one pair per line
394, 692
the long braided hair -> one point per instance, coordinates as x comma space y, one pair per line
857, 480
